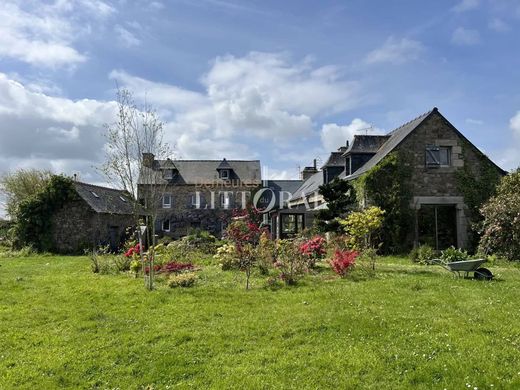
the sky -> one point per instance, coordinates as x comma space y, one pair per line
281, 81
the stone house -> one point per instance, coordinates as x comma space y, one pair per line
196, 194
98, 216
435, 153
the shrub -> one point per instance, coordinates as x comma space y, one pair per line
182, 280
290, 262
422, 254
343, 261
175, 267
25, 251
452, 254
227, 257
266, 253
313, 249
201, 240
135, 267
501, 226
361, 227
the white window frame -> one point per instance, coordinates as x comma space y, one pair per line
167, 205
194, 201
169, 225
225, 200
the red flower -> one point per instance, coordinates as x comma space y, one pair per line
343, 261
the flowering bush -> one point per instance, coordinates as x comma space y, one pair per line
343, 261
227, 257
135, 266
290, 262
133, 250
314, 249
171, 267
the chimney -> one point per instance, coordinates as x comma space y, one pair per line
75, 177
309, 171
347, 144
148, 159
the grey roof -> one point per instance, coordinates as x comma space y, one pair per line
201, 171
366, 143
335, 159
395, 137
106, 200
224, 165
310, 185
279, 186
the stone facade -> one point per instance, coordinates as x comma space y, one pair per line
77, 226
209, 214
440, 185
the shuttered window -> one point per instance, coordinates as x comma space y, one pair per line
433, 157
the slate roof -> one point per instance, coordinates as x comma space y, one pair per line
105, 200
335, 159
201, 171
278, 186
310, 185
395, 137
224, 165
366, 143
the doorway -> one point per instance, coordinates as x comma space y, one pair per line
437, 226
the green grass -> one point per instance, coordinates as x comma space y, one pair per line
409, 327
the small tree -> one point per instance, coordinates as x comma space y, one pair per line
245, 234
341, 199
137, 130
361, 228
501, 226
21, 185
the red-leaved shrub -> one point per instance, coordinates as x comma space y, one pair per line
314, 249
343, 261
171, 267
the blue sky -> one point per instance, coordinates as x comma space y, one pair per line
282, 81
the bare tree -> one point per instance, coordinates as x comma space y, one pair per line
136, 132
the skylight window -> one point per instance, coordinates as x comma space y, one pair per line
95, 195
122, 198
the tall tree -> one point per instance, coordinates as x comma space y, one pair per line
137, 130
341, 198
21, 185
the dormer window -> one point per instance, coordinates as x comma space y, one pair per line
224, 174
168, 174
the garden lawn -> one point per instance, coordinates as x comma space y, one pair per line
409, 327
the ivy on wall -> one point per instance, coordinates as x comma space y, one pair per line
388, 186
477, 186
34, 217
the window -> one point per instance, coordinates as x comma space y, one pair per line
167, 201
195, 200
224, 174
95, 195
438, 156
122, 198
225, 200
168, 174
166, 225
445, 156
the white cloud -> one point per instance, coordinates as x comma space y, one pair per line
472, 121
333, 135
514, 124
261, 96
38, 126
465, 37
499, 25
466, 5
395, 51
44, 34
126, 37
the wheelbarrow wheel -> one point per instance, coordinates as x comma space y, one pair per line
483, 274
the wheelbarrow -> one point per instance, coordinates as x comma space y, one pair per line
465, 268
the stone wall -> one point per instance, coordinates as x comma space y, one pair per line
440, 185
76, 227
210, 216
